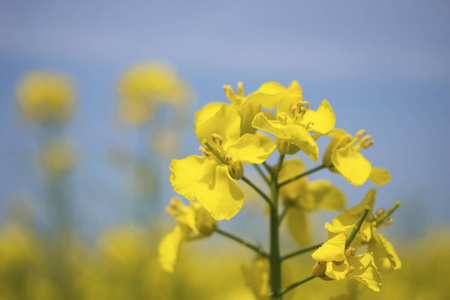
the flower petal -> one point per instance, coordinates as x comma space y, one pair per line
326, 195
169, 248
384, 254
298, 225
188, 173
365, 271
323, 119
248, 149
291, 192
267, 95
331, 250
351, 165
207, 111
225, 122
379, 176
220, 195
337, 269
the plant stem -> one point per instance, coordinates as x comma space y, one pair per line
301, 251
260, 171
283, 214
386, 214
268, 168
356, 227
275, 258
261, 193
243, 242
302, 175
296, 284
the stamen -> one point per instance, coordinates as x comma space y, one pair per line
295, 110
240, 90
205, 151
309, 124
350, 270
378, 213
350, 251
359, 134
367, 144
283, 117
228, 158
217, 139
229, 92
388, 221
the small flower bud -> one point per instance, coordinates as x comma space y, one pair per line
236, 169
204, 223
319, 269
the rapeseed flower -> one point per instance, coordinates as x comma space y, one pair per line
210, 179
193, 222
46, 97
343, 156
295, 121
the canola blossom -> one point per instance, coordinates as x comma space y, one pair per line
234, 133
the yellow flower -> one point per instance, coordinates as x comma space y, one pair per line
57, 157
334, 262
143, 88
302, 197
210, 179
343, 156
46, 97
193, 222
294, 122
383, 252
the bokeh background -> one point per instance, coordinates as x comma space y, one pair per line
384, 66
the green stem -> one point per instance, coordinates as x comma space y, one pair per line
386, 214
243, 242
275, 258
357, 226
260, 171
268, 168
301, 251
302, 175
261, 193
283, 214
296, 284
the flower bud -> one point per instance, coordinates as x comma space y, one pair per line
204, 223
319, 269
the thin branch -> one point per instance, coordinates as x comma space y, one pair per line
260, 171
296, 284
301, 251
243, 242
302, 175
268, 168
283, 214
261, 193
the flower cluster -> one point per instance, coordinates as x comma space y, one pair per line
229, 139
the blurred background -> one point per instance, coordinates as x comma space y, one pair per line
85, 180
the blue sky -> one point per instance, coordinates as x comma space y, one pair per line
383, 65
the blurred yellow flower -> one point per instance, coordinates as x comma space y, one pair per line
343, 156
294, 122
210, 179
193, 222
301, 197
385, 256
143, 88
46, 97
57, 157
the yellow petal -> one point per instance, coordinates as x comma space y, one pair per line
336, 230
337, 269
225, 122
267, 95
207, 111
365, 271
331, 250
248, 149
351, 165
380, 176
169, 249
291, 192
188, 173
384, 254
369, 200
220, 195
286, 102
296, 134
326, 195
298, 225
248, 111
323, 119
295, 88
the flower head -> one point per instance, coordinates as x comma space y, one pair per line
210, 178
383, 252
343, 156
295, 121
193, 222
46, 97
